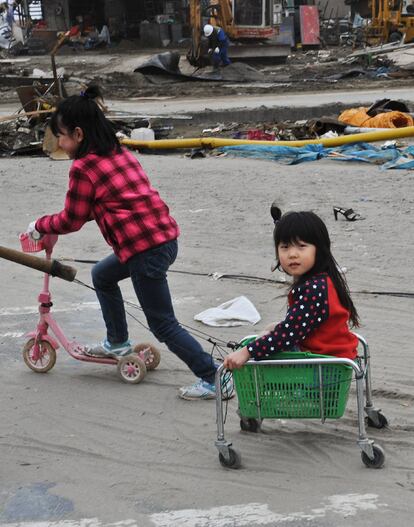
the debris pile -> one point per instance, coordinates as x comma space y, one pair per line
27, 132
167, 74
20, 137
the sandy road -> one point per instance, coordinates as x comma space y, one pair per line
179, 105
79, 444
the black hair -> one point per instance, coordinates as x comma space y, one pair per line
306, 226
83, 111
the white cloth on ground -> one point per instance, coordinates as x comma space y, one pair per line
236, 312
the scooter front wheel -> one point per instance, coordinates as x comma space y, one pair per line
132, 369
46, 359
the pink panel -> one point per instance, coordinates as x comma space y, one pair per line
309, 25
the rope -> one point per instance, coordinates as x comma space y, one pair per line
211, 340
201, 334
251, 278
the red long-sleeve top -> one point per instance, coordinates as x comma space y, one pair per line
115, 191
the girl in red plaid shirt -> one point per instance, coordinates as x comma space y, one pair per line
107, 184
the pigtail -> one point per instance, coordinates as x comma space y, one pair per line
92, 92
86, 111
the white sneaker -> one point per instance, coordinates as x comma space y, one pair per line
205, 390
106, 349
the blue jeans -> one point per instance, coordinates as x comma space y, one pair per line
148, 272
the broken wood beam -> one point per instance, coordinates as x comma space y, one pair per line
15, 116
52, 267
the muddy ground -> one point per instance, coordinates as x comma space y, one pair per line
303, 71
77, 443
313, 72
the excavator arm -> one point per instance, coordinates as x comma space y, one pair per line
193, 55
221, 15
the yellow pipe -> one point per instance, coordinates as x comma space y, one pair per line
215, 142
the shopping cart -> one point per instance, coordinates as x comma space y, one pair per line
297, 385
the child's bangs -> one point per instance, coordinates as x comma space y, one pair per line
293, 228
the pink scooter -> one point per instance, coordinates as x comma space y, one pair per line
39, 352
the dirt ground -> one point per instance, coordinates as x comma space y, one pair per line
303, 71
80, 446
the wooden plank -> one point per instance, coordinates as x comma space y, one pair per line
24, 114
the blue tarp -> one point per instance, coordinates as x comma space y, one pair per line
388, 157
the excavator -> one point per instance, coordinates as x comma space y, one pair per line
388, 22
248, 24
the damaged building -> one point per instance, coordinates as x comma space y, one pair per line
158, 23
124, 17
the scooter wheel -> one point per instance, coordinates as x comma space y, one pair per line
46, 359
153, 357
131, 369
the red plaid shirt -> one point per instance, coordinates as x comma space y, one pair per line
116, 193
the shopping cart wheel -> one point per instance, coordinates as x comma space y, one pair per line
131, 369
234, 460
379, 458
249, 424
380, 421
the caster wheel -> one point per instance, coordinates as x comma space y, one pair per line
131, 369
234, 460
151, 353
379, 458
250, 425
381, 421
46, 360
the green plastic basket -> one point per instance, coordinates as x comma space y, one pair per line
293, 391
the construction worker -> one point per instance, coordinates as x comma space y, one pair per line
218, 43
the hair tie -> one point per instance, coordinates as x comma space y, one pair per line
82, 94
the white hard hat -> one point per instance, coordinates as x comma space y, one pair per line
208, 29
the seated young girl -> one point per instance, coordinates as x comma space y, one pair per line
319, 303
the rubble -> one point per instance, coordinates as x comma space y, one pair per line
129, 75
19, 138
166, 75
24, 133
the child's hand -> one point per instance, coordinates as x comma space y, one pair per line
32, 232
235, 360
